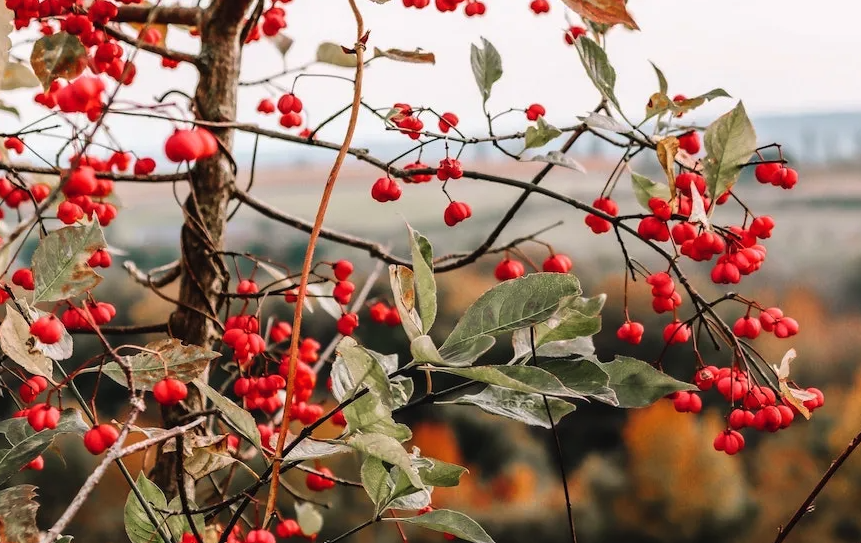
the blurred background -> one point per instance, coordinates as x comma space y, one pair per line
638, 476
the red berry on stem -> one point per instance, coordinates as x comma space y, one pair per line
456, 212
169, 391
631, 332
509, 269
557, 264
100, 438
342, 269
447, 121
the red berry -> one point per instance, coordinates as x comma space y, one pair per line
47, 329
393, 317
281, 331
676, 332
259, 536
631, 332
169, 391
447, 121
343, 292
266, 106
319, 483
32, 387
37, 464
184, 146
705, 378
598, 224
509, 269
557, 263
534, 111
288, 528
539, 6
761, 227
378, 312
247, 287
573, 33
747, 327
42, 416
766, 173
144, 166
100, 438
342, 269
385, 189
729, 441
456, 212
14, 144
347, 323
690, 142
24, 279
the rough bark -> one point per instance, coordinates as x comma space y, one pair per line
203, 272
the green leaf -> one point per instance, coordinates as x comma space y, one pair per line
11, 110
447, 521
376, 481
578, 318
522, 378
388, 450
25, 444
520, 406
60, 264
60, 55
425, 352
486, 67
138, 525
18, 508
638, 384
355, 369
583, 376
645, 188
511, 305
439, 473
465, 354
332, 53
183, 362
401, 279
598, 68
422, 253
402, 391
541, 134
662, 81
729, 143
313, 449
19, 345
309, 518
239, 419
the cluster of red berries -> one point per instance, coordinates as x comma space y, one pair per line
260, 392
771, 320
384, 314
754, 406
404, 119
76, 318
86, 192
471, 7
776, 174
13, 196
241, 333
600, 225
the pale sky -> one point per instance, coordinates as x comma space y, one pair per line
778, 56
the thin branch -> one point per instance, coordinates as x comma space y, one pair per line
172, 15
807, 505
359, 49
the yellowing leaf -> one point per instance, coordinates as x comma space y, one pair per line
416, 57
18, 76
61, 55
609, 12
658, 103
666, 150
332, 53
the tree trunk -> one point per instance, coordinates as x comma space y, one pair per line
204, 274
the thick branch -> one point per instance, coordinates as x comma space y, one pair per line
171, 15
